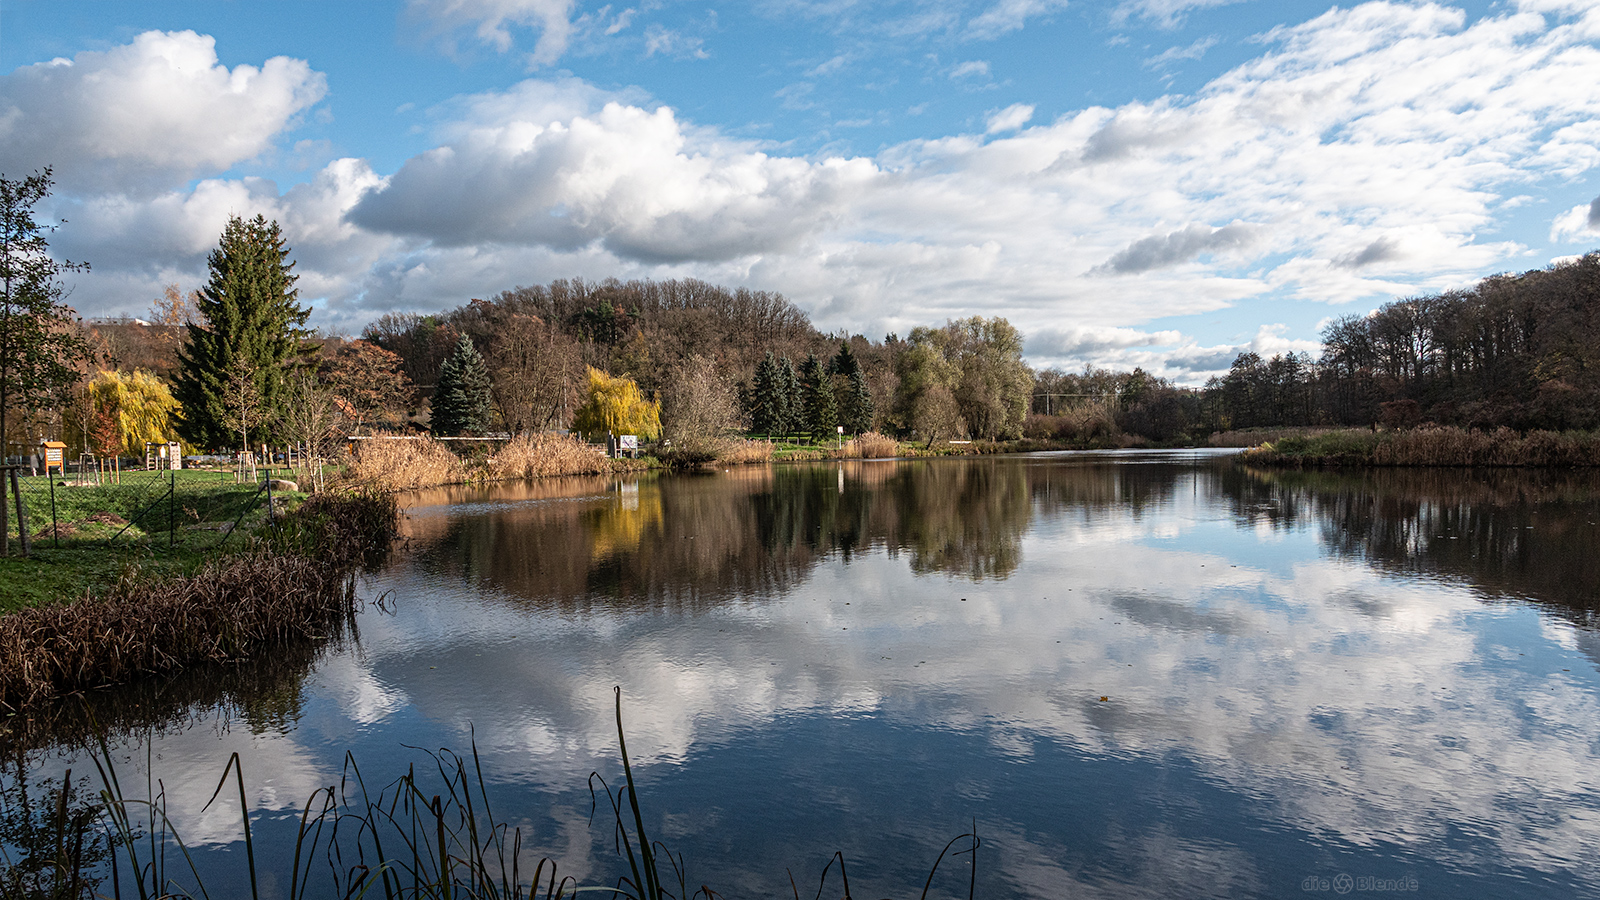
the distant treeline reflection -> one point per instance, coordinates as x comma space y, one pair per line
755, 532
1532, 535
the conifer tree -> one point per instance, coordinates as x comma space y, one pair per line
821, 417
789, 398
856, 413
767, 405
461, 397
251, 319
852, 396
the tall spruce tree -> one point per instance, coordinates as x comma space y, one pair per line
789, 397
821, 416
856, 412
852, 396
251, 319
767, 406
461, 400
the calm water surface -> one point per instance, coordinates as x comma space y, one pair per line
1139, 674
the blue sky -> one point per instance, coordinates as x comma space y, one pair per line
1146, 182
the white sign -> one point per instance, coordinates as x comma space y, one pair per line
628, 442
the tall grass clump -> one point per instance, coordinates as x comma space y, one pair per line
540, 455
741, 451
1431, 445
404, 464
294, 585
1452, 446
871, 445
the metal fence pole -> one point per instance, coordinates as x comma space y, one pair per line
22, 515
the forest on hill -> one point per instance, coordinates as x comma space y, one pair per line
1518, 351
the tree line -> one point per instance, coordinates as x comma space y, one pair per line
233, 364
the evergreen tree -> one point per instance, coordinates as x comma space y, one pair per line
251, 320
853, 398
856, 412
767, 405
821, 418
789, 399
461, 398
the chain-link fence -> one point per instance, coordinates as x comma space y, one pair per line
161, 508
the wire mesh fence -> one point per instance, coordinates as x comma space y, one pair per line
185, 506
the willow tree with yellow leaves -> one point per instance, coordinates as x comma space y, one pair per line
614, 405
126, 411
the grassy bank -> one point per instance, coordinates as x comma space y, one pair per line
287, 584
108, 533
1431, 446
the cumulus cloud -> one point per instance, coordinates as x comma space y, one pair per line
1384, 249
143, 115
1080, 343
1363, 154
1009, 119
1162, 250
626, 178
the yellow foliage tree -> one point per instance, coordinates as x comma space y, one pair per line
615, 405
138, 403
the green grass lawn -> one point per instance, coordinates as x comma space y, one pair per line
110, 531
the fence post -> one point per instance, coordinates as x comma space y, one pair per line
172, 512
22, 515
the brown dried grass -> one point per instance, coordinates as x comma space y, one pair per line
403, 464
738, 452
872, 445
1452, 446
541, 455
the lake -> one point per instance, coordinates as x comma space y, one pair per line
1136, 674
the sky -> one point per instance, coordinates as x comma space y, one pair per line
1155, 183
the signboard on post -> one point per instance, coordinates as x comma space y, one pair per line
628, 442
54, 456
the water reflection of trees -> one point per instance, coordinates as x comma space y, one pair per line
753, 532
1512, 534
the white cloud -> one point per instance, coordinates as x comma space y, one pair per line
1006, 16
632, 180
492, 22
1195, 50
1579, 223
1366, 153
1163, 250
1011, 118
970, 68
1164, 13
143, 115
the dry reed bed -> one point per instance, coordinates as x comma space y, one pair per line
294, 587
543, 455
414, 463
1433, 446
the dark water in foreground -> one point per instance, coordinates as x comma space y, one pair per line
1141, 675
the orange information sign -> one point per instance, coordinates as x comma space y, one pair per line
54, 456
